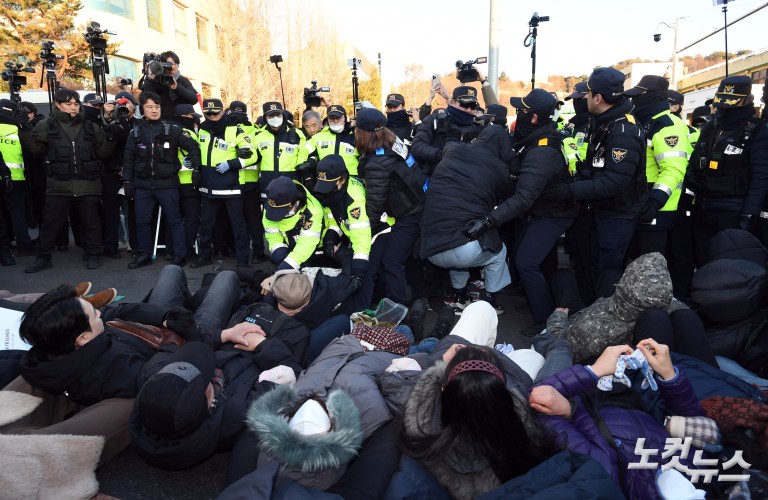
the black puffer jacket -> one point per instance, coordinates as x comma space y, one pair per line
540, 165
467, 183
429, 140
387, 186
184, 93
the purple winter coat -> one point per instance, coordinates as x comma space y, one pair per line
581, 434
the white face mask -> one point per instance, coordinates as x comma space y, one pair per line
275, 121
336, 128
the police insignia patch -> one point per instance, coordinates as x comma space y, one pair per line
573, 146
355, 213
307, 224
671, 140
618, 154
247, 139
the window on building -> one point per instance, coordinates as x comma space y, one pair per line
759, 76
155, 15
120, 67
202, 33
180, 22
206, 89
120, 7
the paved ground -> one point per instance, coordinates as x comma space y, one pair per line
127, 476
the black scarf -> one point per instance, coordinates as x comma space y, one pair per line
523, 125
649, 104
397, 118
580, 107
187, 123
732, 118
459, 117
216, 128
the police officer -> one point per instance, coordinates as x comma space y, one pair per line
343, 198
699, 117
6, 259
280, 148
666, 160
575, 131
224, 151
612, 181
151, 176
399, 118
729, 167
454, 123
293, 223
337, 138
189, 196
13, 189
74, 147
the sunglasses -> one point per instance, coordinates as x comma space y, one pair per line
468, 105
211, 113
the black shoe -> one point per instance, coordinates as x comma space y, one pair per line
112, 254
6, 258
38, 265
491, 299
444, 323
415, 319
179, 261
200, 262
94, 261
259, 258
141, 260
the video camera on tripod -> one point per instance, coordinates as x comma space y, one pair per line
94, 36
465, 72
14, 79
312, 95
156, 68
49, 70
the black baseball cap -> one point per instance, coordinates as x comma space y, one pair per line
539, 101
700, 115
172, 402
649, 83
498, 112
733, 92
675, 97
336, 110
395, 100
93, 99
329, 170
237, 107
465, 94
370, 119
8, 106
579, 91
272, 107
184, 109
608, 81
212, 106
282, 193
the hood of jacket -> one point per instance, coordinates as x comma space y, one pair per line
497, 141
737, 244
645, 284
306, 454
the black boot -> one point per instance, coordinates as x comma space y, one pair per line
39, 264
415, 319
141, 260
6, 258
444, 323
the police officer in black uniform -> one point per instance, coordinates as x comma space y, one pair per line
728, 169
612, 180
399, 118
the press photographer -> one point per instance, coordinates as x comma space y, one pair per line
162, 76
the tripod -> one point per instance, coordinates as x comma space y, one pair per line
355, 93
530, 41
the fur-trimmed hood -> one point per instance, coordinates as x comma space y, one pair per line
306, 454
465, 473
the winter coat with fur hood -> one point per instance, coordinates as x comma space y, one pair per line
611, 321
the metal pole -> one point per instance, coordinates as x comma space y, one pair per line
674, 56
725, 29
534, 33
493, 48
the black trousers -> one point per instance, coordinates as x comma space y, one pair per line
253, 213
15, 203
110, 211
234, 207
55, 217
190, 212
682, 331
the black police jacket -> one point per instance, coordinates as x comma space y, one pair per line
152, 154
184, 93
434, 132
612, 178
539, 165
467, 184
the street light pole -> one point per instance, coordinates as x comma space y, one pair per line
674, 55
725, 29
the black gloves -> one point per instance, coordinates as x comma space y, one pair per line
197, 178
329, 243
648, 213
182, 322
748, 223
129, 190
244, 153
477, 228
355, 284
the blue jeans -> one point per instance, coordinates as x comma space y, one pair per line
427, 345
732, 367
213, 314
458, 261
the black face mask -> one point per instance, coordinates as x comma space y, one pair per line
188, 123
580, 106
397, 118
731, 118
92, 114
649, 104
459, 116
523, 125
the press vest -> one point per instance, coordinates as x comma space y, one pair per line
72, 159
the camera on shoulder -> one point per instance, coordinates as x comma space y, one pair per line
465, 73
312, 95
154, 67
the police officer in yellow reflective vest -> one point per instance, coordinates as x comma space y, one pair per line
293, 223
343, 197
666, 161
13, 189
189, 196
337, 138
225, 150
280, 147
